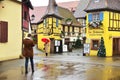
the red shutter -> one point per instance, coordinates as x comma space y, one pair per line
3, 31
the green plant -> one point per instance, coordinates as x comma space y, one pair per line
78, 43
101, 50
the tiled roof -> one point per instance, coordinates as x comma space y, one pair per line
52, 9
40, 11
72, 5
103, 5
65, 13
62, 13
80, 13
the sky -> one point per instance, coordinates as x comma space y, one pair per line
45, 2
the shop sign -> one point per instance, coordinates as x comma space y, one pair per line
65, 48
95, 32
86, 48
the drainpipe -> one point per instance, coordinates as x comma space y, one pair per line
22, 28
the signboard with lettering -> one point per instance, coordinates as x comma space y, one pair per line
87, 48
65, 48
95, 32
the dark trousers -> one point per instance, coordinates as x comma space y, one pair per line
26, 64
46, 54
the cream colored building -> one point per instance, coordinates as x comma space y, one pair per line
10, 17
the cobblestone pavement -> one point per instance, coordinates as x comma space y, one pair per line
66, 66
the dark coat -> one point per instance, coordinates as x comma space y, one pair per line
28, 47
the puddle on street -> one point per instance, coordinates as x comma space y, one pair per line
76, 71
58, 70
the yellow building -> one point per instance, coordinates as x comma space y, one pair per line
59, 25
10, 29
103, 20
80, 15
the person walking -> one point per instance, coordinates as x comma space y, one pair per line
46, 46
28, 52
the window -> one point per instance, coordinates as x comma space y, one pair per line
92, 17
114, 21
95, 17
82, 22
44, 23
95, 20
25, 15
3, 31
73, 30
95, 44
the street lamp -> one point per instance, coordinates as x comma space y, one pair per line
32, 17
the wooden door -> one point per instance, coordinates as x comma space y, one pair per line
52, 45
116, 46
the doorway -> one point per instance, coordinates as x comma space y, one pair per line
116, 46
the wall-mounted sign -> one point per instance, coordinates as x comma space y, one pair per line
86, 48
95, 32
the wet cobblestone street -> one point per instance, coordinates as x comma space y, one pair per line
63, 67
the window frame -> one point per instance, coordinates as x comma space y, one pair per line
3, 31
25, 15
114, 21
95, 17
93, 42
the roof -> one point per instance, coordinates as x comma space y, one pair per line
52, 10
40, 11
103, 5
28, 3
61, 13
67, 14
71, 5
80, 13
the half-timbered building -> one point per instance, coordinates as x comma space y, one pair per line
59, 25
103, 20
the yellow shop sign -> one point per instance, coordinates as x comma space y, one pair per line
95, 32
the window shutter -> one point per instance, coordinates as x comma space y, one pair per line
89, 17
101, 16
3, 31
56, 22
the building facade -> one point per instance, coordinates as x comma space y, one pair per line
39, 11
103, 20
59, 25
10, 29
80, 15
26, 21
